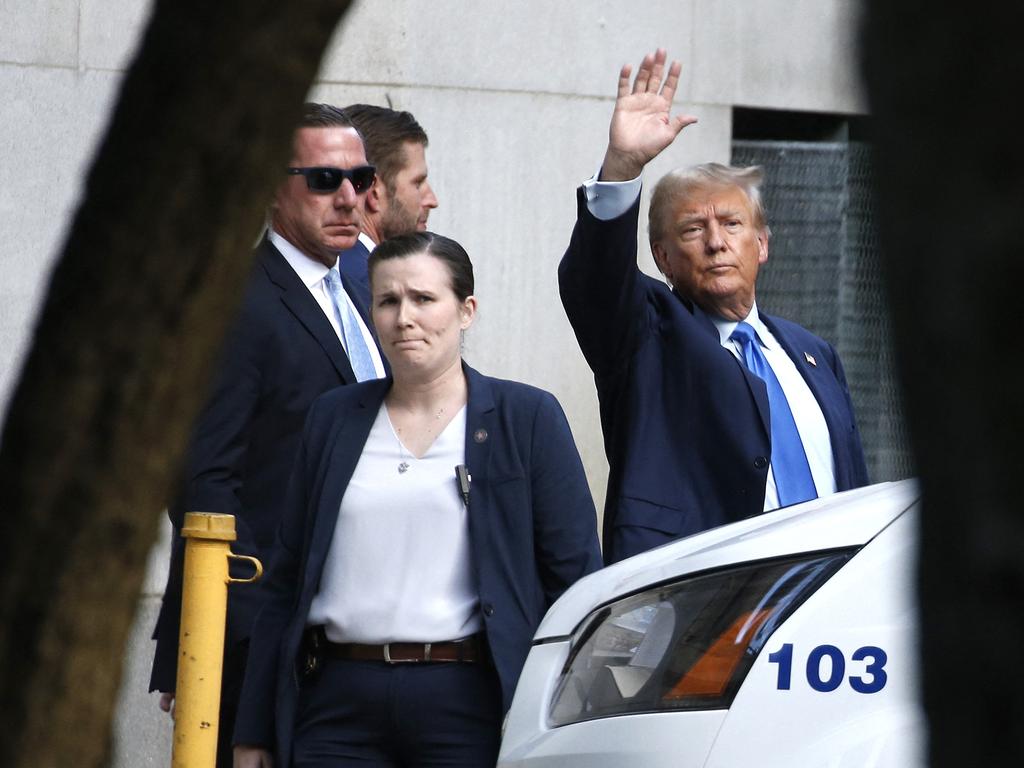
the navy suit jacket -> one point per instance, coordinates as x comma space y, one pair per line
685, 425
532, 528
352, 265
280, 354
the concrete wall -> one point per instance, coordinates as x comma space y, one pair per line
516, 98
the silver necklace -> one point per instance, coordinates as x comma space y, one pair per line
403, 465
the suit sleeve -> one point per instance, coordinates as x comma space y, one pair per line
212, 475
255, 720
857, 475
564, 518
222, 433
601, 288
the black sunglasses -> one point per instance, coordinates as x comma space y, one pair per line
322, 179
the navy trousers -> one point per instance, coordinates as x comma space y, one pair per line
230, 691
413, 715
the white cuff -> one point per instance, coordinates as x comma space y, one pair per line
610, 199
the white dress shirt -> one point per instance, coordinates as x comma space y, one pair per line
399, 564
608, 199
312, 274
367, 242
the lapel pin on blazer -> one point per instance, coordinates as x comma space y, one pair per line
810, 359
480, 435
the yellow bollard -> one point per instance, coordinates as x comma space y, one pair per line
201, 642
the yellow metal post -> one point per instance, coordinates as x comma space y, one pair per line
201, 642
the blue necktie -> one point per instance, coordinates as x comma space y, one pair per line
355, 344
789, 461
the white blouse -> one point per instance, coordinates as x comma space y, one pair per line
399, 564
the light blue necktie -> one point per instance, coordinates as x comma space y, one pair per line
355, 344
789, 461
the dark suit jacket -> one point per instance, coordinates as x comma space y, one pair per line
281, 353
685, 425
532, 528
352, 264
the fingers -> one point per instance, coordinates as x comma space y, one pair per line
167, 702
649, 76
251, 757
656, 72
681, 121
624, 73
644, 74
672, 81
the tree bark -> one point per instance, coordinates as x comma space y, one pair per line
150, 275
944, 82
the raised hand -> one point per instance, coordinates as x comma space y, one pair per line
642, 123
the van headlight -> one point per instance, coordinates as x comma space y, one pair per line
684, 645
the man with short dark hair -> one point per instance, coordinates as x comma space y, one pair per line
711, 410
401, 198
302, 329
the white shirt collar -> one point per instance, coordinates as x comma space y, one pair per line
753, 319
309, 270
367, 242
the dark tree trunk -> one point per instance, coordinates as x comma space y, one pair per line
945, 82
149, 277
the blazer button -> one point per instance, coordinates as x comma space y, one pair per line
760, 462
488, 610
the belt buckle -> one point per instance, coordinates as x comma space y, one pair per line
389, 660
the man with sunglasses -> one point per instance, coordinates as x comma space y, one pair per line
401, 198
302, 329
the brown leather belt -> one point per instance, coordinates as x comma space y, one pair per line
468, 649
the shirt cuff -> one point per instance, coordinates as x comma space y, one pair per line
610, 199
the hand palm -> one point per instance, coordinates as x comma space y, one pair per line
641, 125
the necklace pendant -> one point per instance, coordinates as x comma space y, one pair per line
402, 468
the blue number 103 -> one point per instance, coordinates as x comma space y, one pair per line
872, 680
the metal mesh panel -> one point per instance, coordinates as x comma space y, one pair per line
825, 273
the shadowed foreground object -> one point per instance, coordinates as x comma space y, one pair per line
148, 279
943, 81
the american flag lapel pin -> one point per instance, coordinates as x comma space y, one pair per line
810, 359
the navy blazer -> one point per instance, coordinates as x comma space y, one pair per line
353, 265
281, 353
532, 527
685, 425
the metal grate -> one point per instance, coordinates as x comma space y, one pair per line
825, 273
